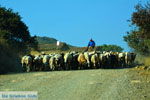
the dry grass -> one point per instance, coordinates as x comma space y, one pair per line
34, 52
144, 62
147, 61
47, 52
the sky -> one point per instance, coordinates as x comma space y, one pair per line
77, 21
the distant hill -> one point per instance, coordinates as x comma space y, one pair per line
46, 40
47, 43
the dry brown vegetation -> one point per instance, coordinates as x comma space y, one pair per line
143, 62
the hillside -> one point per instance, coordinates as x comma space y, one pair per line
46, 40
47, 43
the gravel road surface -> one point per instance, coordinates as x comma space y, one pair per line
100, 84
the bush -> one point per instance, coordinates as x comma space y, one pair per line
113, 48
9, 60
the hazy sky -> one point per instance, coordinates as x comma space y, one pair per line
76, 21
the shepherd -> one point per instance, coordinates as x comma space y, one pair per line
91, 45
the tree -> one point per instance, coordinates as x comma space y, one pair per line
15, 39
139, 37
14, 30
113, 48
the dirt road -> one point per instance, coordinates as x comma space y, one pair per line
101, 84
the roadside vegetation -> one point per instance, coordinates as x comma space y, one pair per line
15, 40
138, 38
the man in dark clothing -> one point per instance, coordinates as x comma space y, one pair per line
91, 45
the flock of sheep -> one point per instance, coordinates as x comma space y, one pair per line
74, 60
